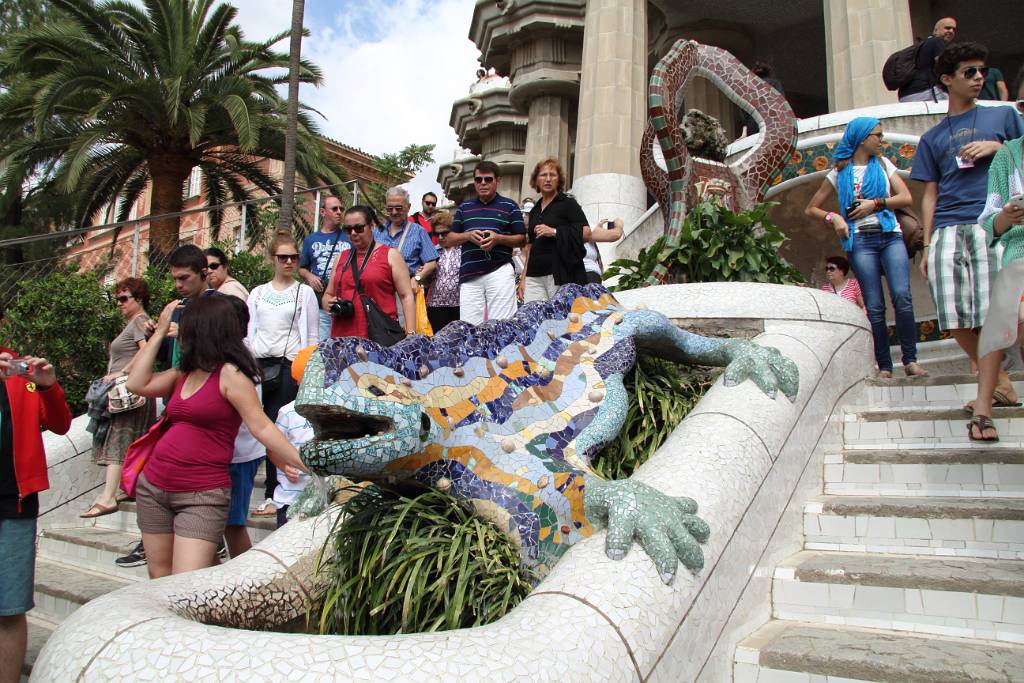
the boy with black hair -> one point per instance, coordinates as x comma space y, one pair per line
952, 161
188, 268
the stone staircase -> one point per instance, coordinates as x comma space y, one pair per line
76, 564
912, 562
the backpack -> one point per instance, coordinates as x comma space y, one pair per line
900, 67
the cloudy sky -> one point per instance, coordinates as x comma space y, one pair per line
391, 69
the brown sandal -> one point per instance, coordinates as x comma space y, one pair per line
982, 422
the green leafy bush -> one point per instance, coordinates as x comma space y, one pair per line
661, 394
251, 269
714, 245
410, 564
69, 318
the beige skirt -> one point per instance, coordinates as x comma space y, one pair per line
124, 428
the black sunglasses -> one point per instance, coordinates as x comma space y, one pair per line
831, 268
971, 71
124, 298
214, 266
287, 258
482, 180
357, 228
429, 203
441, 234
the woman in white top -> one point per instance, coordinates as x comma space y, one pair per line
606, 231
868, 189
283, 318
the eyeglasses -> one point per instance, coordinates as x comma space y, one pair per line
972, 71
441, 234
393, 209
123, 299
214, 266
357, 228
332, 208
830, 268
429, 203
480, 180
877, 135
286, 258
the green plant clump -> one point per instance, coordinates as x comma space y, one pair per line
714, 245
661, 394
409, 564
68, 318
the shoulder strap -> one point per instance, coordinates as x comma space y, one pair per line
408, 229
357, 270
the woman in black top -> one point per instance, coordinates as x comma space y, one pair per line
557, 231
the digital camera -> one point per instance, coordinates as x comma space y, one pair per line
343, 308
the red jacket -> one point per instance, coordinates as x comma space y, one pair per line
32, 408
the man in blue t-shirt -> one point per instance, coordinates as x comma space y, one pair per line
320, 253
952, 161
488, 227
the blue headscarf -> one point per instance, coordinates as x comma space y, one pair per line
873, 185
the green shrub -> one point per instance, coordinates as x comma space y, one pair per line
161, 290
661, 394
251, 269
714, 245
410, 564
69, 318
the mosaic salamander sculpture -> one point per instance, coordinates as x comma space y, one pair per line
507, 415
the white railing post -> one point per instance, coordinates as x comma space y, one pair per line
241, 232
135, 250
316, 213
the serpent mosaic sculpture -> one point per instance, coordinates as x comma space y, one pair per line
746, 179
507, 415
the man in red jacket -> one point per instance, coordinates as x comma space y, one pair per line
30, 399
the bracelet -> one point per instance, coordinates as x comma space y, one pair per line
829, 216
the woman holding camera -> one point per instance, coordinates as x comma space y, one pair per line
283, 318
382, 273
869, 189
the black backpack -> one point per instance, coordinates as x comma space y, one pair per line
900, 67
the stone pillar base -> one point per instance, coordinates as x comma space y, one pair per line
610, 195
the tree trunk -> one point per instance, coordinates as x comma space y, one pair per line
168, 173
291, 132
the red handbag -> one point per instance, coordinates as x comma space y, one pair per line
137, 455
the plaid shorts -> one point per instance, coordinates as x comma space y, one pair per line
960, 269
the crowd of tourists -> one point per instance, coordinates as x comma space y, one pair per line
972, 237
197, 401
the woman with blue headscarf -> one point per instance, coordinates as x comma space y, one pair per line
868, 190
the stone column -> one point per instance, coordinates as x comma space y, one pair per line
547, 135
612, 113
859, 36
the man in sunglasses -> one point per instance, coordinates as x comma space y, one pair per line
952, 161
422, 218
488, 227
320, 252
923, 87
219, 278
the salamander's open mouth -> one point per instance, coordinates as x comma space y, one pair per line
333, 423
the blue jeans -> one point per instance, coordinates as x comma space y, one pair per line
325, 325
873, 254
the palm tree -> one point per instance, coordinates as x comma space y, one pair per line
118, 96
294, 51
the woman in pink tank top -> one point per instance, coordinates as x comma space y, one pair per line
184, 489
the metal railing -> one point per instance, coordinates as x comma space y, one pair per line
117, 250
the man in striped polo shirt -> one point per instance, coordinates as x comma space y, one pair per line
488, 228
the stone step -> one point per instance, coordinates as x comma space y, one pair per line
39, 631
787, 652
941, 526
60, 589
945, 391
924, 426
978, 470
957, 597
92, 548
